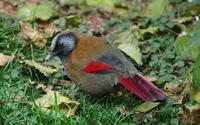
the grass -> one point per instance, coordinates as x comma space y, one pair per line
14, 77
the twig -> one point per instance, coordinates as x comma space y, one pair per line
33, 59
12, 100
171, 31
68, 106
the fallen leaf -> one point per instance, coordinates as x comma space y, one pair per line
127, 43
195, 85
44, 11
38, 86
152, 79
147, 106
189, 115
177, 90
44, 70
72, 2
107, 3
65, 105
33, 34
37, 34
140, 33
6, 8
182, 44
4, 59
46, 27
157, 8
30, 12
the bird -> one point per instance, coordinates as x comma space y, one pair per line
100, 67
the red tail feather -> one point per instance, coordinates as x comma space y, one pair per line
143, 88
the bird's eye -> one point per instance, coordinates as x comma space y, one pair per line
61, 44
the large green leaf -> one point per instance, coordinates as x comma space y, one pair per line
44, 11
44, 70
147, 106
27, 13
106, 3
129, 44
30, 12
196, 74
157, 8
187, 45
72, 2
195, 86
65, 105
194, 42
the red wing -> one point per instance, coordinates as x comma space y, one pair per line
96, 66
107, 63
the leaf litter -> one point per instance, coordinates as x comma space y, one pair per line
65, 105
5, 58
177, 90
189, 115
38, 34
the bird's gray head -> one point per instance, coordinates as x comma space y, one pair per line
62, 46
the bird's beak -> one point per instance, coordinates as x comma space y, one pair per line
49, 56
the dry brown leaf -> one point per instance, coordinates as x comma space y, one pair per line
35, 34
46, 27
32, 33
177, 90
38, 86
4, 59
6, 8
189, 115
152, 79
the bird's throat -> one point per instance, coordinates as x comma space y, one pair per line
63, 59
